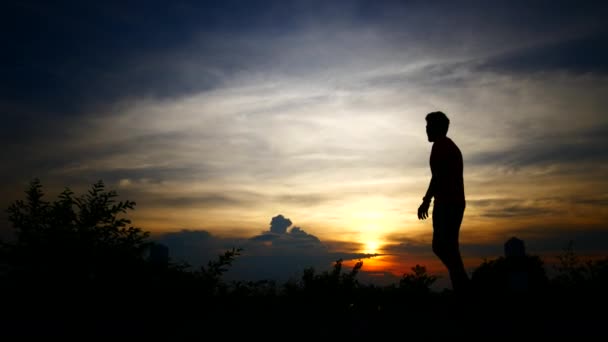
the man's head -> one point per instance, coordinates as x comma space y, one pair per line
437, 124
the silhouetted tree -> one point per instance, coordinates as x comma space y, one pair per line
73, 238
211, 275
418, 281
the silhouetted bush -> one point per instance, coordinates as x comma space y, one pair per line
418, 281
333, 282
574, 274
83, 243
510, 274
75, 239
210, 276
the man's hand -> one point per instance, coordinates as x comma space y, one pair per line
423, 210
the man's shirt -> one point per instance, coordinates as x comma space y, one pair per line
446, 167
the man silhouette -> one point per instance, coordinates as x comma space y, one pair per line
447, 189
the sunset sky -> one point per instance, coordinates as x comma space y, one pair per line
217, 116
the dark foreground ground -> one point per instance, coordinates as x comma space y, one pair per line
174, 315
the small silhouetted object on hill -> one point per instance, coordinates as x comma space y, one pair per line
516, 272
515, 247
518, 277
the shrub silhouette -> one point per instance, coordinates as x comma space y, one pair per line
574, 274
87, 240
418, 281
73, 238
333, 282
510, 274
210, 276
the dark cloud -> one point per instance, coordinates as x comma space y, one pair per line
57, 148
195, 247
505, 208
543, 16
588, 54
594, 201
573, 149
584, 55
279, 224
69, 56
517, 211
403, 245
280, 239
265, 237
296, 238
73, 57
61, 154
299, 233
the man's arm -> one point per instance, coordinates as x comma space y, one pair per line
423, 210
430, 192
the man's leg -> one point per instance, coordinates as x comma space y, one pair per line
446, 229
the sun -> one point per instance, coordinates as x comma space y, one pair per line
371, 247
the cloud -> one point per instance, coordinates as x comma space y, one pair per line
81, 57
587, 54
278, 240
276, 254
195, 247
599, 201
405, 245
584, 145
155, 193
215, 80
76, 55
513, 207
279, 224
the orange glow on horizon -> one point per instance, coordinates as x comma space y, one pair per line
397, 265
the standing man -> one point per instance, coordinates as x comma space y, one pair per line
447, 188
